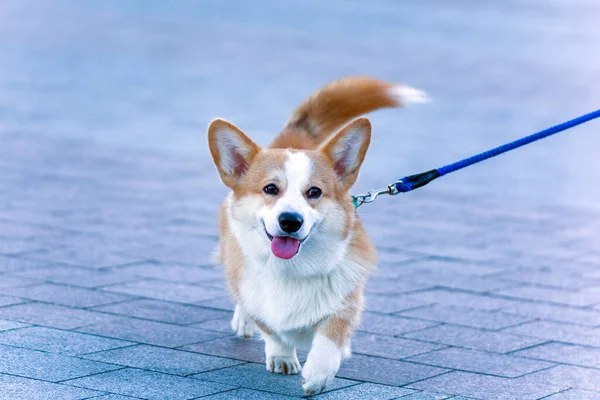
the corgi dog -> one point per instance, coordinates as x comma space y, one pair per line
293, 249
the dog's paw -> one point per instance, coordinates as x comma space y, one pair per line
316, 377
321, 365
283, 365
315, 382
241, 324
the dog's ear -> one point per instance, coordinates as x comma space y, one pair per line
347, 149
231, 149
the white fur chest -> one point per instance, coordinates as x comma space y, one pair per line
290, 304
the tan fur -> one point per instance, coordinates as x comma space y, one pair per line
231, 256
339, 328
260, 173
228, 179
263, 327
295, 138
349, 176
331, 107
361, 246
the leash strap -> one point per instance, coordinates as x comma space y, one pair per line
412, 182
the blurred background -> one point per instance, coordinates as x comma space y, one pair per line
152, 74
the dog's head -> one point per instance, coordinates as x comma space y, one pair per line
286, 202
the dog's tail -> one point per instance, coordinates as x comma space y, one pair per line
337, 103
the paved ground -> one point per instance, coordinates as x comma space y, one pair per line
489, 284
106, 289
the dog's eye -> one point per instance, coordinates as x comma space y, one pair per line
271, 189
314, 193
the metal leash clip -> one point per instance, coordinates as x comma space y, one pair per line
370, 196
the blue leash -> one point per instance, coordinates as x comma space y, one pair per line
412, 182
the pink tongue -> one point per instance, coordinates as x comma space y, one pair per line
284, 247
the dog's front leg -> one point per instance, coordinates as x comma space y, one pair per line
330, 344
241, 323
281, 357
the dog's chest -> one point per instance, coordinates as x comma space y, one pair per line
292, 304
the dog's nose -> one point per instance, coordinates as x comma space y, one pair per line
290, 222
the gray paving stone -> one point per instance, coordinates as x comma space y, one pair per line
490, 387
19, 388
558, 331
247, 394
221, 303
57, 341
447, 266
466, 316
475, 260
406, 269
385, 371
175, 362
481, 362
366, 391
174, 272
83, 277
93, 257
150, 332
254, 376
390, 304
591, 294
557, 313
16, 246
35, 364
462, 281
389, 347
232, 347
461, 398
220, 284
197, 254
397, 259
113, 397
149, 385
7, 281
575, 394
423, 395
174, 313
219, 325
387, 286
171, 291
591, 257
564, 353
570, 376
10, 300
24, 230
550, 295
16, 263
8, 325
460, 336
65, 295
51, 315
455, 298
390, 324
544, 277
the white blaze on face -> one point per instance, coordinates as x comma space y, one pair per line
298, 170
